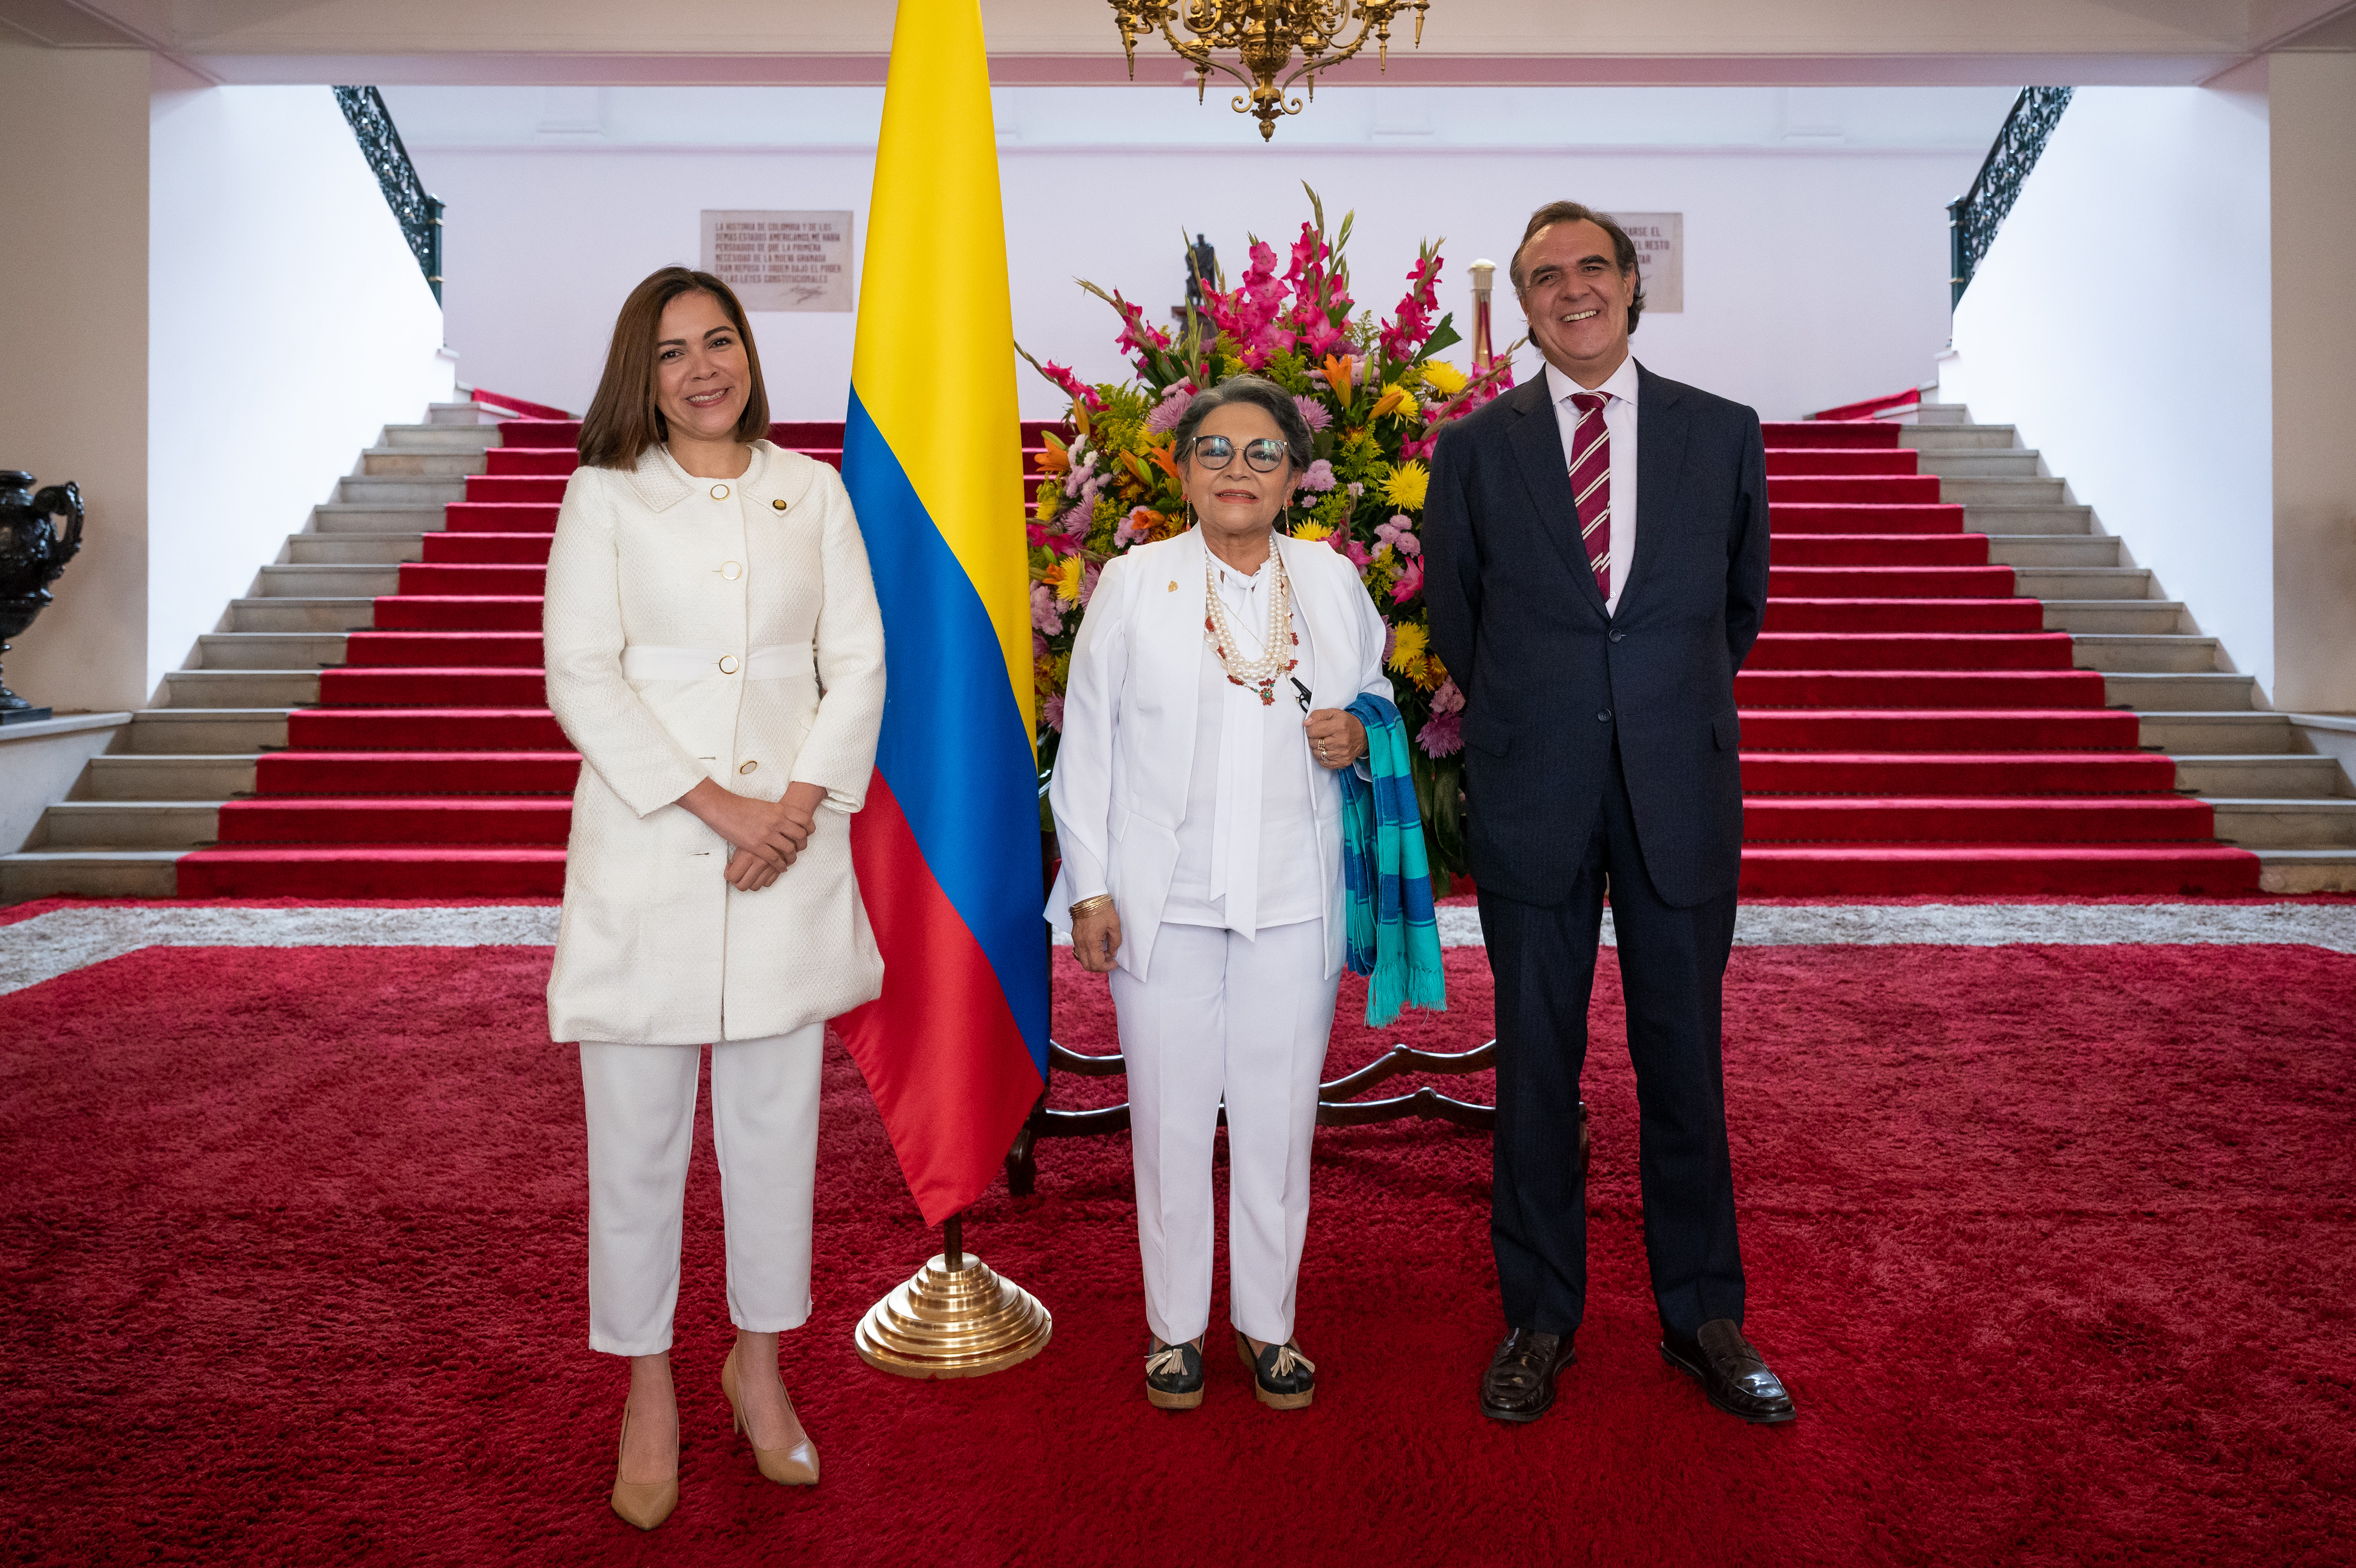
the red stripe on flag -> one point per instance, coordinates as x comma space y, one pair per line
940, 1049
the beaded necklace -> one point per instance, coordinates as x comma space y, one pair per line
1276, 657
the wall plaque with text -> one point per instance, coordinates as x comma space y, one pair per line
781, 260
1660, 239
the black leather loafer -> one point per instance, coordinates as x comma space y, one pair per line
1519, 1383
1283, 1377
1174, 1375
1732, 1373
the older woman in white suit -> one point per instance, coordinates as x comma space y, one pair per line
1201, 833
714, 651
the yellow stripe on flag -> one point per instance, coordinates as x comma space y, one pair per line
935, 361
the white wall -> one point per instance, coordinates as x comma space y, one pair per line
73, 347
1815, 271
2312, 124
2123, 320
289, 323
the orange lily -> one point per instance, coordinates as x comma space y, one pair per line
1337, 376
1163, 461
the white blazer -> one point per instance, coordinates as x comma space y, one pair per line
1128, 749
694, 636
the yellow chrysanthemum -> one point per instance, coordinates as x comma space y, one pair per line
1443, 378
1404, 487
1410, 647
1311, 532
1066, 577
1396, 399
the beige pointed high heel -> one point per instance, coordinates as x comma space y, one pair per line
643, 1503
794, 1466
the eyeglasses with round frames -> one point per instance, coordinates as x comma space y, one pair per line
1215, 452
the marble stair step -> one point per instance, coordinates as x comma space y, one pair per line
2216, 734
2061, 550
89, 872
308, 650
168, 776
2113, 617
178, 732
2167, 653
295, 613
127, 825
2216, 692
354, 549
382, 462
2277, 776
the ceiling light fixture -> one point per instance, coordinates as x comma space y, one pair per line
1264, 34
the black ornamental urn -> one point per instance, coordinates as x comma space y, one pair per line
33, 552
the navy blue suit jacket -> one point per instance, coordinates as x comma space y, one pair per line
1550, 678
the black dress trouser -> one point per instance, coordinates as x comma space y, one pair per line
1671, 972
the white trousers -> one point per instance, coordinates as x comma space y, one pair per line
1248, 1020
641, 1109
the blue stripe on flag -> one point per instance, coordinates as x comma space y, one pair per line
952, 746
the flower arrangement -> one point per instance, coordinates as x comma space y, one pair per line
1375, 398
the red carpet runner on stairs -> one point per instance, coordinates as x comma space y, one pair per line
1908, 727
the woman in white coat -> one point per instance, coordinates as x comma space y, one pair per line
1201, 831
715, 651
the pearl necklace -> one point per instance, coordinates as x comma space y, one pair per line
1276, 658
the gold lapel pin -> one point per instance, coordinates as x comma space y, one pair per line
1173, 587
779, 505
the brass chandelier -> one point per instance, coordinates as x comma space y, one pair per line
1264, 34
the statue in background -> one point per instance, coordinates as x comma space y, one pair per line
33, 552
1201, 271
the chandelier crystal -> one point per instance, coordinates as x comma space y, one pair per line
1265, 35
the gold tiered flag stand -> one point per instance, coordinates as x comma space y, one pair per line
955, 1319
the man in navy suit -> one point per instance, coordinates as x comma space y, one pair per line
1597, 550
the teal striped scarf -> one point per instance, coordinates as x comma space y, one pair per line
1394, 939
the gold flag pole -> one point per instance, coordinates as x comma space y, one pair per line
1484, 277
954, 1318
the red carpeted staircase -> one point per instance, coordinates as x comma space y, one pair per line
1909, 725
432, 766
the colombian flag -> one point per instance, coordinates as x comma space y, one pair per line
947, 849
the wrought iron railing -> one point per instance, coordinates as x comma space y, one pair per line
1974, 217
420, 214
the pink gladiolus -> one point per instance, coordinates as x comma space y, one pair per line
1042, 539
1324, 338
1409, 584
1072, 387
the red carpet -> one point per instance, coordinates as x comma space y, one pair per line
1888, 633
2053, 1245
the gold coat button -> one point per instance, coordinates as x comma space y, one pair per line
728, 664
779, 505
748, 768
730, 571
719, 492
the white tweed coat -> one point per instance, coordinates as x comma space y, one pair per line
710, 629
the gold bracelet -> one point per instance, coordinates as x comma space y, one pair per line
1091, 905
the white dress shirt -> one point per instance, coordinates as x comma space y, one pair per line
1620, 421
1247, 847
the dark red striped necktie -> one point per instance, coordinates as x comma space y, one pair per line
1590, 484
